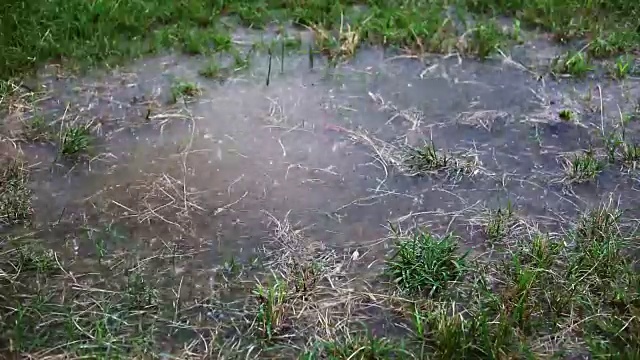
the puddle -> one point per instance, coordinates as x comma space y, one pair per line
216, 170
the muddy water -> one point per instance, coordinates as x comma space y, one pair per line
214, 171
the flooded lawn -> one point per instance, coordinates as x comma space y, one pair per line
279, 206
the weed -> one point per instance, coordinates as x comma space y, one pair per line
37, 129
566, 115
212, 70
15, 194
631, 154
184, 90
573, 63
487, 37
424, 263
499, 225
517, 31
270, 317
360, 346
75, 140
623, 66
582, 167
612, 142
426, 159
35, 258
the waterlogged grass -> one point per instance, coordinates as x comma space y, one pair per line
75, 140
15, 194
112, 31
184, 90
545, 294
583, 167
536, 295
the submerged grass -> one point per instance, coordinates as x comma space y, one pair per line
545, 295
570, 293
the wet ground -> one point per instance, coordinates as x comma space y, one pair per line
316, 146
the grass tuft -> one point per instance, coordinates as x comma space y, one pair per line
15, 194
184, 90
270, 317
426, 264
75, 140
582, 167
576, 64
427, 159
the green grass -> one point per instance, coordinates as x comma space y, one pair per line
427, 159
499, 224
184, 90
426, 264
37, 129
566, 115
91, 33
579, 287
622, 67
75, 140
358, 345
15, 194
270, 315
583, 167
576, 64
211, 70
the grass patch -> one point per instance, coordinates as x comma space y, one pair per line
427, 159
37, 129
499, 224
112, 31
184, 90
426, 264
212, 70
566, 115
622, 67
487, 38
15, 195
631, 154
582, 167
75, 140
576, 64
358, 345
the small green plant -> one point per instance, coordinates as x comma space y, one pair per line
211, 70
499, 225
184, 90
582, 167
541, 252
15, 194
612, 142
573, 63
622, 67
204, 41
487, 37
75, 140
33, 257
424, 263
601, 47
37, 129
139, 294
566, 115
631, 154
426, 159
357, 346
272, 308
517, 31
